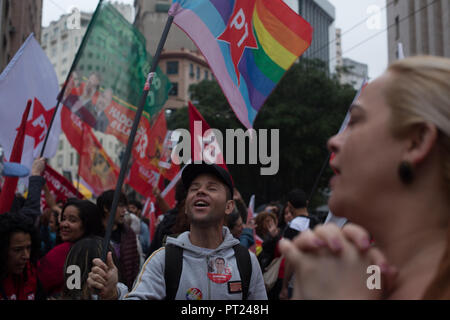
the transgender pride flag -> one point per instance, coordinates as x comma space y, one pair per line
249, 45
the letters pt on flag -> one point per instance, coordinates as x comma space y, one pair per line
249, 45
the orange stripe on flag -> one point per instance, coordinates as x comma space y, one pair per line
280, 31
289, 18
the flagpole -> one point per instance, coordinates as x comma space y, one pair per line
126, 158
74, 65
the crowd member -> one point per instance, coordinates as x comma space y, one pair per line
297, 204
302, 220
285, 217
187, 273
240, 205
79, 219
82, 253
164, 228
398, 138
269, 232
48, 230
31, 206
123, 239
239, 230
140, 227
266, 222
19, 250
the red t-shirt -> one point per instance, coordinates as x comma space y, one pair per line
51, 268
21, 287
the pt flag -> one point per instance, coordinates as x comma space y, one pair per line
249, 45
29, 76
204, 144
111, 70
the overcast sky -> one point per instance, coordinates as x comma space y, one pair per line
363, 24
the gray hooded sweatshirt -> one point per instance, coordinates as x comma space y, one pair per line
207, 274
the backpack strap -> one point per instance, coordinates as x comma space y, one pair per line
172, 269
244, 264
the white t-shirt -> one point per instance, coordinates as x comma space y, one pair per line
299, 223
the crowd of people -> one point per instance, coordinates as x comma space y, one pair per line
392, 183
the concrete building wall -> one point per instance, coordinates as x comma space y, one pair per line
18, 19
422, 26
151, 17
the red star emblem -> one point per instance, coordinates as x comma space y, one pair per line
37, 127
239, 31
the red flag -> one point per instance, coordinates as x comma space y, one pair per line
204, 144
72, 128
96, 167
153, 148
142, 179
59, 186
10, 184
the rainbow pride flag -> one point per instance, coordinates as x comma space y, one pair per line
249, 45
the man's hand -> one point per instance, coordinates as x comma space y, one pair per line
38, 167
103, 278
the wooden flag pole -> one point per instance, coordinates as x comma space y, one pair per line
126, 158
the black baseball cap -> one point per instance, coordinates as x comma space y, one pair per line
191, 171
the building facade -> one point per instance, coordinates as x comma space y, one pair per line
321, 15
151, 17
18, 19
349, 71
353, 73
422, 26
184, 68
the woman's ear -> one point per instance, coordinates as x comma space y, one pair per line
422, 139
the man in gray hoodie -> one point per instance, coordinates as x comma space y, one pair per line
204, 247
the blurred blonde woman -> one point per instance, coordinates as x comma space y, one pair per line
392, 182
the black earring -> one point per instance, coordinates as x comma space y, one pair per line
405, 172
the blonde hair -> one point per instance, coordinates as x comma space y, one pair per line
418, 92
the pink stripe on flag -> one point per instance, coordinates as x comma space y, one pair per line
193, 25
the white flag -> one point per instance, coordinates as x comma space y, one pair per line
29, 76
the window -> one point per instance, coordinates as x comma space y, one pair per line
61, 145
174, 91
206, 75
60, 161
198, 73
71, 158
172, 67
191, 70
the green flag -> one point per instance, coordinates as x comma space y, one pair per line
110, 73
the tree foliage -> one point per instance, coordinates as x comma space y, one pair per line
308, 107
